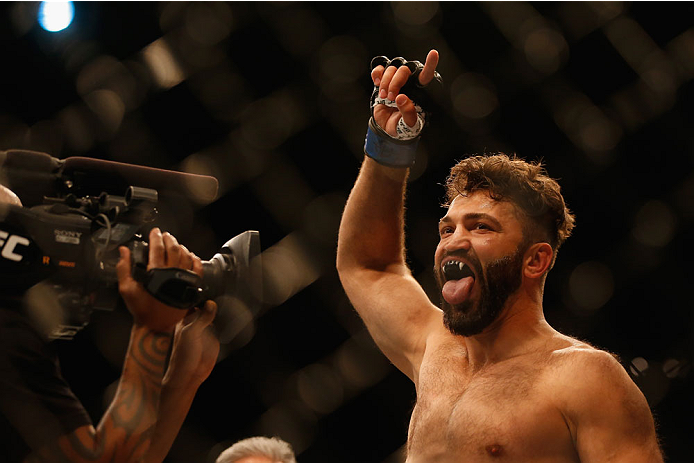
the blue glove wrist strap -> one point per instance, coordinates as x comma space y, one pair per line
387, 150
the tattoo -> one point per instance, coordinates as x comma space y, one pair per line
151, 352
126, 428
84, 445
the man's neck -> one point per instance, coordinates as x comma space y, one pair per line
520, 329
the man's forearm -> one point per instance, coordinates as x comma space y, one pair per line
371, 232
124, 432
173, 409
133, 411
194, 354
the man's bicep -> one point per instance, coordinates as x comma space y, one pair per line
617, 439
397, 313
613, 420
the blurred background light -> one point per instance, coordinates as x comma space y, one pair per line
320, 388
654, 378
415, 13
292, 420
272, 99
674, 368
209, 22
287, 269
54, 16
638, 366
545, 49
591, 285
162, 64
473, 96
655, 224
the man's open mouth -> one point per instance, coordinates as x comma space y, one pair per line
456, 270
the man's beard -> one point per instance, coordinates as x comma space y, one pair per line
501, 279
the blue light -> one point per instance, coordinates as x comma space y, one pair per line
55, 16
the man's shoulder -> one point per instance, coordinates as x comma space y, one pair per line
583, 373
600, 401
577, 357
570, 351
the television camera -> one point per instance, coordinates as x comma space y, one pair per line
78, 211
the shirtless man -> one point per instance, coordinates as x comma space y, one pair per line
494, 381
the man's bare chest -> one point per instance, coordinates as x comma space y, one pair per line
504, 413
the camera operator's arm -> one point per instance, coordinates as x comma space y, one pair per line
195, 350
124, 433
195, 346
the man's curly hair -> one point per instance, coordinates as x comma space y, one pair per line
525, 184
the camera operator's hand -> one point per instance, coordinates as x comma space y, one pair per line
164, 251
194, 354
195, 348
390, 80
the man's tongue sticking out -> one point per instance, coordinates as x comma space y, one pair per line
459, 280
457, 291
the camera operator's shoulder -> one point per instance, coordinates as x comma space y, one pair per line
18, 335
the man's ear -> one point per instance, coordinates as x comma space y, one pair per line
538, 260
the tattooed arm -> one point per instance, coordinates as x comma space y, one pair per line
195, 350
125, 432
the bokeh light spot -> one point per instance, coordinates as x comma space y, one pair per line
638, 366
415, 13
655, 224
56, 16
591, 285
474, 96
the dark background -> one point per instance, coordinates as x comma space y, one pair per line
271, 98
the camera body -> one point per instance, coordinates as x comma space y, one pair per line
67, 241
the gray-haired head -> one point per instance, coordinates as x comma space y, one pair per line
8, 196
277, 450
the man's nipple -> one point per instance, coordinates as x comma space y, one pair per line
494, 450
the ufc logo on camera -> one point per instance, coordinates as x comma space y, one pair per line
9, 244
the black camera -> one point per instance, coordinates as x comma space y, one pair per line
66, 237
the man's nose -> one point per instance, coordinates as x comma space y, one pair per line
459, 241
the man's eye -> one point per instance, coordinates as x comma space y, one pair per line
482, 226
446, 231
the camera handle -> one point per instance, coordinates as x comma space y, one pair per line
176, 287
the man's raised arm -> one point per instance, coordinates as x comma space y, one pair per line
371, 252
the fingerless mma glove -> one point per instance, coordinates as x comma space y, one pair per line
398, 151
